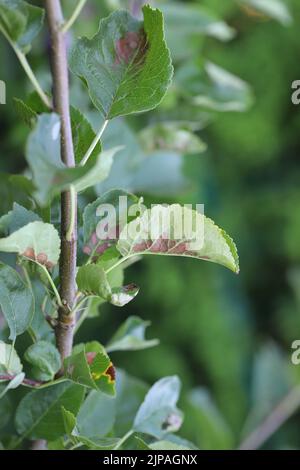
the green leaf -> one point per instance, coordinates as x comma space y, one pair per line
83, 135
210, 429
45, 358
16, 218
89, 365
276, 9
158, 414
37, 241
76, 436
131, 336
97, 408
99, 172
171, 136
137, 171
213, 88
39, 415
20, 22
50, 174
91, 219
16, 301
185, 23
272, 379
130, 394
6, 409
13, 383
29, 109
154, 232
126, 65
167, 445
92, 280
9, 360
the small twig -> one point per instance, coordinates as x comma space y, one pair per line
32, 383
29, 382
283, 411
68, 24
94, 143
73, 209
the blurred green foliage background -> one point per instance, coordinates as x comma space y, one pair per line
227, 337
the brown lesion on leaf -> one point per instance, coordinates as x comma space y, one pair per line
96, 247
41, 258
110, 373
131, 48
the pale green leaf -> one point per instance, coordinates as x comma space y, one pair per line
277, 9
45, 359
20, 22
187, 23
37, 241
171, 136
126, 65
160, 231
208, 86
39, 415
16, 301
9, 360
167, 445
98, 172
50, 174
210, 429
160, 173
158, 414
131, 336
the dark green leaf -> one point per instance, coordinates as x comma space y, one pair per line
39, 415
83, 135
126, 65
16, 218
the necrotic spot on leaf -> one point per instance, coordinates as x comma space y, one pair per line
131, 47
111, 373
41, 258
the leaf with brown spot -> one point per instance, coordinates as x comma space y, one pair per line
37, 241
126, 65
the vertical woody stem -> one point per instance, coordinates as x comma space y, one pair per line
66, 321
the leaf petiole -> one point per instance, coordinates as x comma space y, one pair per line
68, 24
29, 72
94, 143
